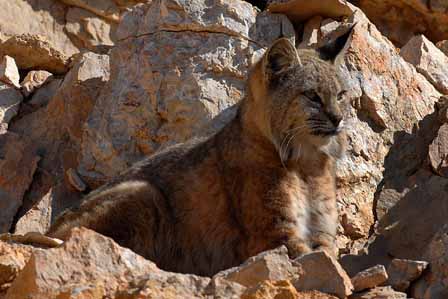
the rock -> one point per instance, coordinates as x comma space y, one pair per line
35, 52
12, 260
54, 130
34, 80
434, 283
383, 96
328, 26
311, 33
380, 293
171, 286
43, 18
403, 272
438, 152
10, 99
84, 292
87, 30
301, 10
369, 278
428, 60
9, 73
86, 258
44, 94
17, 167
443, 46
222, 289
158, 94
281, 289
318, 271
402, 19
38, 218
354, 226
271, 265
107, 9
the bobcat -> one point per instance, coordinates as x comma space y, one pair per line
266, 179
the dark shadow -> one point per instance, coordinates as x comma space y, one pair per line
261, 4
411, 202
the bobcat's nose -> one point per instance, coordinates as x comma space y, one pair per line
335, 119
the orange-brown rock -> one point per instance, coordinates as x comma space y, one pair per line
270, 265
400, 20
17, 167
369, 278
12, 260
281, 289
87, 258
318, 271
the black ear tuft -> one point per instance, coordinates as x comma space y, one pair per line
280, 56
333, 45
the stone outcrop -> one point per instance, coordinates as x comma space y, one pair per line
9, 73
17, 167
270, 266
428, 60
85, 259
53, 133
380, 292
10, 99
318, 271
403, 272
400, 20
433, 284
369, 278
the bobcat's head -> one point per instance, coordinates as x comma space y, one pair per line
296, 95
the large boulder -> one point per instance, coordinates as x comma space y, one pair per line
434, 283
428, 60
400, 20
86, 259
12, 260
44, 19
53, 132
17, 167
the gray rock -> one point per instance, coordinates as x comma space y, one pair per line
369, 278
380, 293
403, 272
434, 283
428, 60
9, 73
10, 100
319, 271
270, 265
17, 167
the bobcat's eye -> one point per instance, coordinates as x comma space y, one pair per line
341, 95
313, 96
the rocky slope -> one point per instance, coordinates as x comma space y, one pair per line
89, 87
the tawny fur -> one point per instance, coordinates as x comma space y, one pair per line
266, 179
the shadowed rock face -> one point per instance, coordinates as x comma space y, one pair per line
400, 20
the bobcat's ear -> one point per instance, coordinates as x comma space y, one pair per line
330, 48
279, 57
